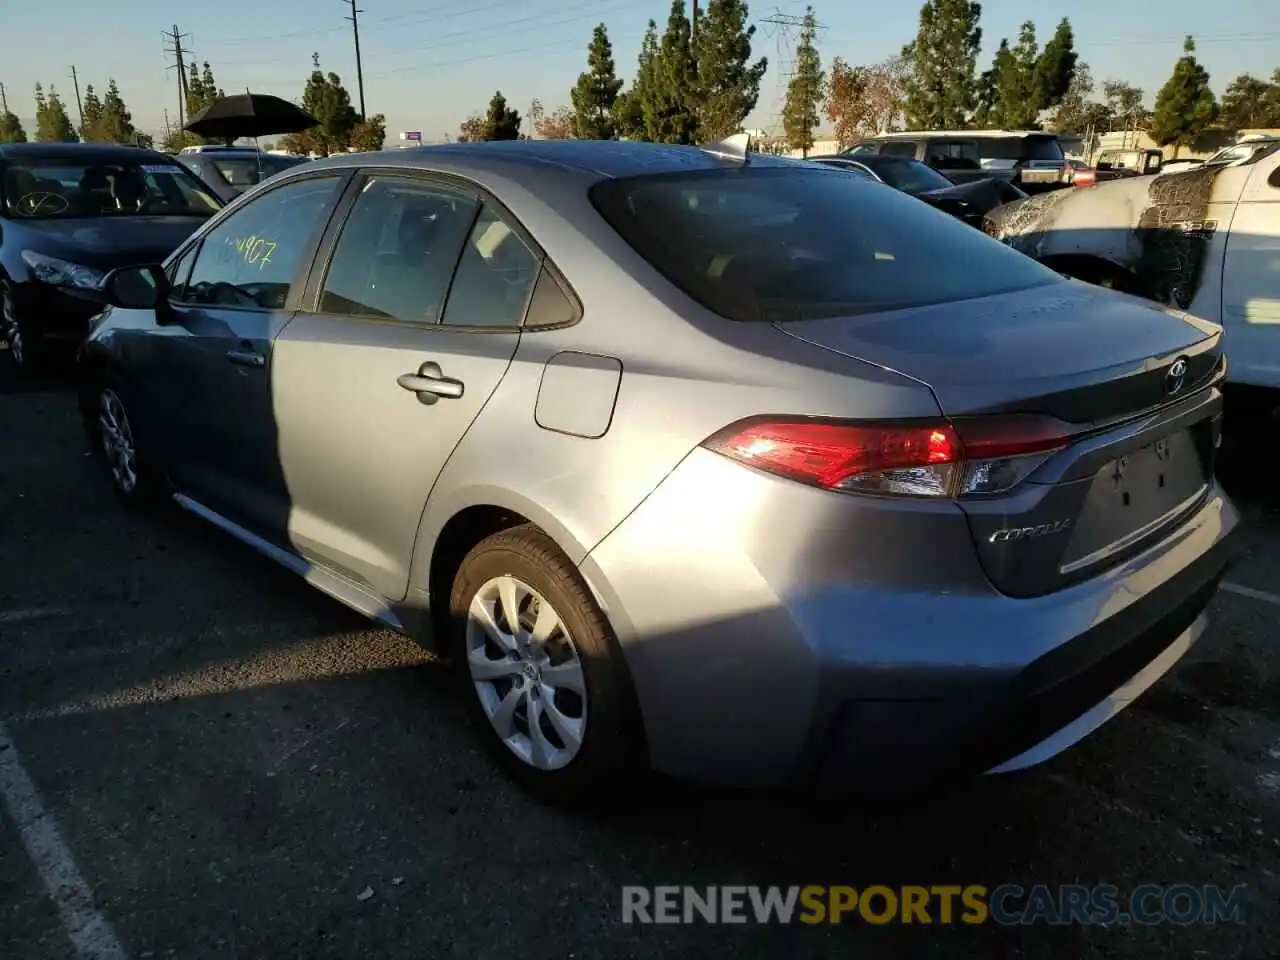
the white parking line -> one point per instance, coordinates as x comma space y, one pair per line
88, 930
1252, 594
34, 613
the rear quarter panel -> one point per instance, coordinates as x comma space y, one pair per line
686, 373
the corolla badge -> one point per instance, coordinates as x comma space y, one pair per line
1010, 534
1176, 376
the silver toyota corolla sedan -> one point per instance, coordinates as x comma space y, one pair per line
736, 468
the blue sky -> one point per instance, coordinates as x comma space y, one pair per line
428, 63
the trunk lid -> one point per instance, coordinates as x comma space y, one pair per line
1127, 377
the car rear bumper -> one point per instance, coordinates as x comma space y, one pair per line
778, 634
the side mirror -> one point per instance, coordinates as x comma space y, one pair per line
142, 287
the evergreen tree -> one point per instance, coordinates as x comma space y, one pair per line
804, 90
989, 108
670, 99
1056, 67
117, 121
52, 123
500, 121
1185, 106
91, 107
628, 109
596, 91
728, 83
11, 129
1016, 107
941, 85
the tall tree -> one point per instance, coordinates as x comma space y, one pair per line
728, 82
805, 89
11, 129
52, 123
986, 89
596, 91
117, 122
1185, 106
1016, 107
670, 96
1250, 103
1124, 104
943, 56
91, 108
628, 109
500, 121
1056, 67
326, 99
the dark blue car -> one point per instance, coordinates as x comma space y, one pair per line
70, 212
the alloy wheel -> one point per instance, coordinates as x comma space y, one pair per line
117, 441
12, 331
527, 673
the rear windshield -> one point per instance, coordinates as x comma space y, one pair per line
1020, 148
771, 244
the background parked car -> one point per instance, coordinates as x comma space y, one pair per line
1031, 159
684, 458
969, 201
69, 212
230, 171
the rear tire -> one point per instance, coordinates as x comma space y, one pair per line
549, 693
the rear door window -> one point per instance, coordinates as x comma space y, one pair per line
953, 155
775, 244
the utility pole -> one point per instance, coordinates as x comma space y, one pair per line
693, 19
180, 66
355, 31
75, 82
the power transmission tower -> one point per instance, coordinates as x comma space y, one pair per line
784, 28
4, 102
180, 66
75, 82
355, 31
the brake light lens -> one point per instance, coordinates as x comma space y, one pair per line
970, 457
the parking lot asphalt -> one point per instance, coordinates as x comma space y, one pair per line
203, 757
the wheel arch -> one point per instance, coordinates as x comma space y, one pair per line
1094, 268
449, 529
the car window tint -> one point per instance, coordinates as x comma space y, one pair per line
398, 250
830, 246
494, 275
250, 259
899, 148
550, 306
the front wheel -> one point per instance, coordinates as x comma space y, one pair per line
118, 448
541, 669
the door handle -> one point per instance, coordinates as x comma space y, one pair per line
246, 358
430, 384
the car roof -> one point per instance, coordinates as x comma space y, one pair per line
81, 152
603, 159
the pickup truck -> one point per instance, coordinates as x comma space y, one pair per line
1205, 241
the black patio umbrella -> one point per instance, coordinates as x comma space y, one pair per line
249, 115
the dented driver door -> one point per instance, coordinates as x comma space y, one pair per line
240, 294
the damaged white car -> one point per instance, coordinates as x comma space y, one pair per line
1205, 240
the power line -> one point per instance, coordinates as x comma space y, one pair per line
355, 30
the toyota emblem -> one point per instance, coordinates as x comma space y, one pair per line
1173, 380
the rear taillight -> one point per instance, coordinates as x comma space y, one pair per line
964, 457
